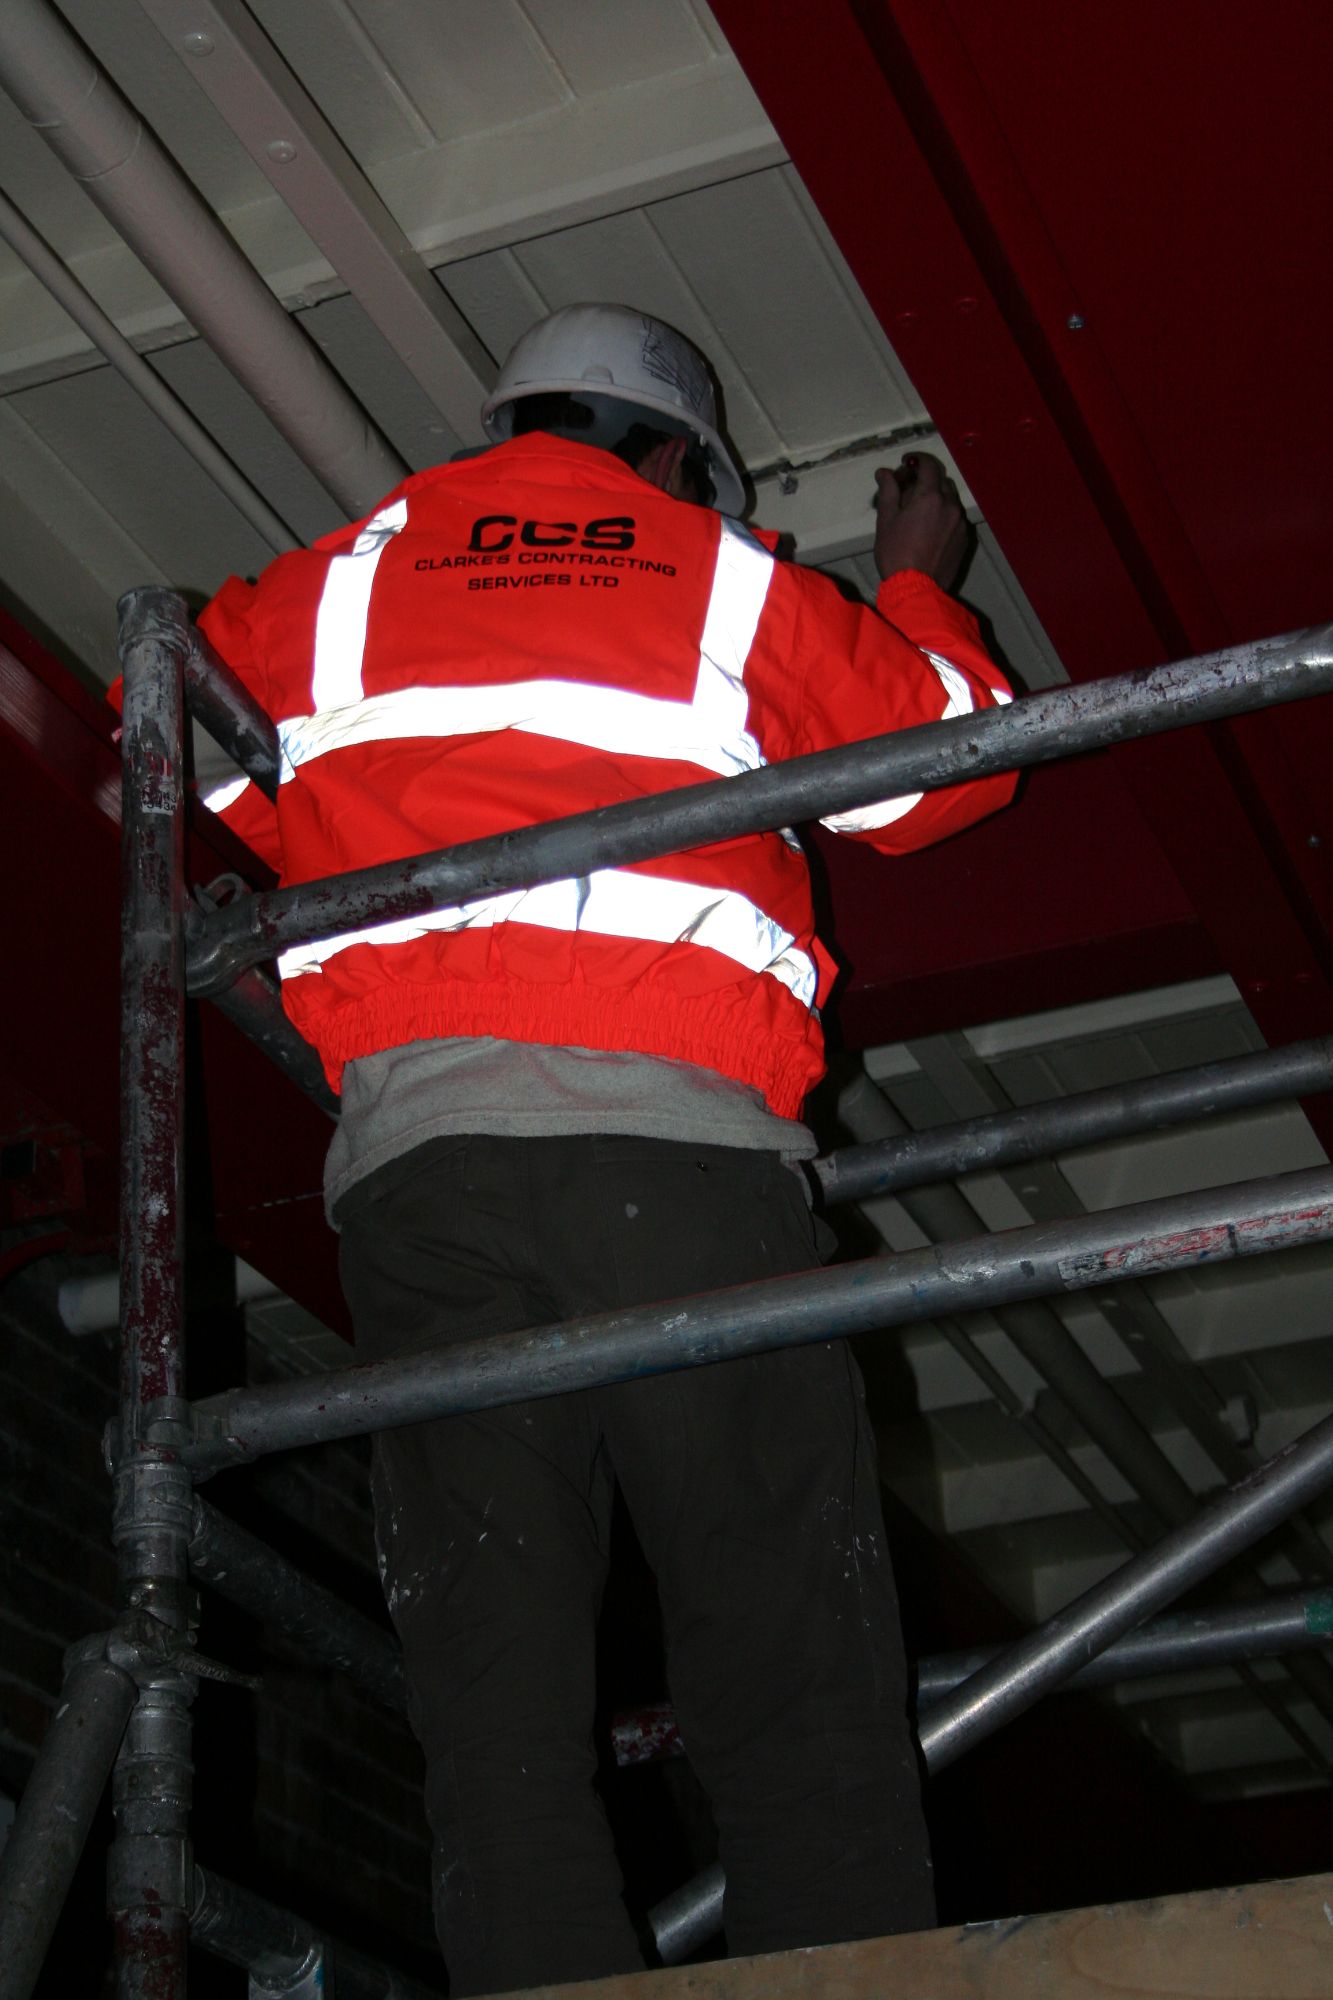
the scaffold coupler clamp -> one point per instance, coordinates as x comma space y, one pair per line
311, 1980
151, 1653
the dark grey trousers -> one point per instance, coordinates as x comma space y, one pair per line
753, 1489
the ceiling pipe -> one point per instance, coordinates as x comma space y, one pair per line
237, 66
165, 404
71, 101
91, 1304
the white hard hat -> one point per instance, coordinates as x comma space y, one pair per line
610, 355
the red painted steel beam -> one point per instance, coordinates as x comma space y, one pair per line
1026, 912
941, 143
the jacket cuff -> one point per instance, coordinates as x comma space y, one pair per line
907, 586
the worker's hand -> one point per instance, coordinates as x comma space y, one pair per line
920, 521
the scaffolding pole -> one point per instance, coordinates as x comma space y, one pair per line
1186, 1643
253, 1006
1058, 722
1189, 1642
1236, 1520
285, 1956
148, 1878
945, 1152
1020, 1675
60, 1800
222, 704
1085, 1118
257, 1580
1245, 1218
159, 1440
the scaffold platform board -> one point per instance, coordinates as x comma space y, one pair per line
1265, 1941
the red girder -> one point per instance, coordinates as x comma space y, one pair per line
1085, 232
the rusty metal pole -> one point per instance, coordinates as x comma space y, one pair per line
1244, 1219
1058, 722
56, 1810
150, 1871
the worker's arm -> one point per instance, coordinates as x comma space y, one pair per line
836, 672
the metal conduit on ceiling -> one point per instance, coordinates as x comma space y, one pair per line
77, 109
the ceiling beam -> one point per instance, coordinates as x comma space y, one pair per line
72, 554
76, 108
233, 61
486, 191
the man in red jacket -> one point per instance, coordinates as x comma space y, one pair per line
587, 1095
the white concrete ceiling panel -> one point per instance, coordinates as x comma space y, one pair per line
982, 1486
484, 184
466, 65
940, 1378
335, 48
600, 156
1285, 1297
731, 240
1275, 1139
1286, 1375
132, 467
68, 557
1257, 1328
606, 44
908, 394
497, 295
1038, 1566
235, 419
1220, 1731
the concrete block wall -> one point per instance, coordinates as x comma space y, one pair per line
306, 1791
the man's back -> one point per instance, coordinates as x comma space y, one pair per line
580, 1097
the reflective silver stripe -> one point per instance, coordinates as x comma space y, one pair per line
596, 718
340, 623
959, 700
226, 795
610, 903
709, 730
741, 576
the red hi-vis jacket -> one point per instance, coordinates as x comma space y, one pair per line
533, 633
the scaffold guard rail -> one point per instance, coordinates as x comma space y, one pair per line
137, 1681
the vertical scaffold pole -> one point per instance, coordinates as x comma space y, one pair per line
150, 1873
